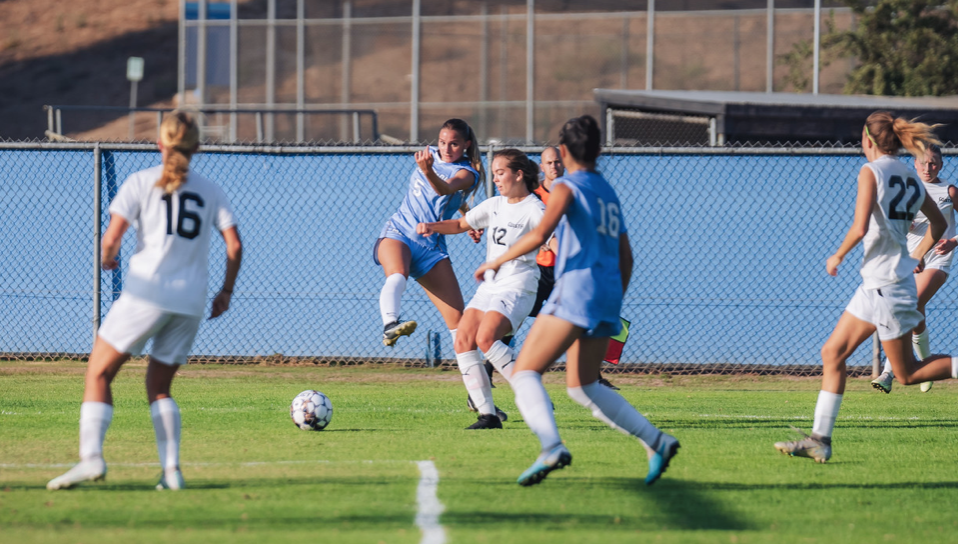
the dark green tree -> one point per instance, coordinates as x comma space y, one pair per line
901, 48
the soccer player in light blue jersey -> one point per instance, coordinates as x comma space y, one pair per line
593, 268
444, 179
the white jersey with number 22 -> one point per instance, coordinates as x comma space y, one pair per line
899, 198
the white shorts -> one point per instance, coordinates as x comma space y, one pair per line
514, 304
892, 309
131, 322
939, 262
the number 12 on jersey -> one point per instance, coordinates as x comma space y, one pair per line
182, 229
609, 222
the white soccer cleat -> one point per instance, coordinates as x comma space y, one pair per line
172, 480
883, 382
84, 471
926, 386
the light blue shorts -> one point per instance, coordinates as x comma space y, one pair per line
423, 257
586, 304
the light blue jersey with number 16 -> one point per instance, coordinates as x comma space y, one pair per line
588, 290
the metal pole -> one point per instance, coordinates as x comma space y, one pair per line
181, 56
770, 49
259, 127
876, 356
530, 70
818, 36
355, 127
490, 186
713, 139
300, 68
270, 66
650, 45
132, 106
736, 60
414, 91
59, 122
159, 123
201, 55
609, 127
484, 73
503, 69
624, 61
346, 65
234, 66
97, 225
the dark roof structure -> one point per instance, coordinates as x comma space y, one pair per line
752, 118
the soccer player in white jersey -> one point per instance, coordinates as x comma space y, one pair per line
937, 261
500, 303
593, 269
444, 179
175, 211
889, 198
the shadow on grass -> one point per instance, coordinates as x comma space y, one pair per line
784, 423
671, 503
149, 486
805, 486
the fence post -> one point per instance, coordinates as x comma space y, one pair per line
270, 66
818, 44
770, 49
300, 69
650, 45
345, 89
97, 218
414, 91
490, 187
530, 70
234, 67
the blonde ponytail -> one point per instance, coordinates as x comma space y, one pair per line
180, 135
890, 134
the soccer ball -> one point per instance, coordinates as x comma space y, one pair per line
311, 410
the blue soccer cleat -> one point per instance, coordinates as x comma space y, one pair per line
659, 461
556, 458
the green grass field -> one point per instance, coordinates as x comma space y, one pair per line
254, 477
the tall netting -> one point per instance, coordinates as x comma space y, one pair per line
729, 277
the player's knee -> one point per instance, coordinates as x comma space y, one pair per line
832, 354
905, 379
463, 343
485, 340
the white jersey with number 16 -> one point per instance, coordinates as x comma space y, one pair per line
170, 268
899, 198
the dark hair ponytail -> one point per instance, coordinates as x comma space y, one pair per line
582, 137
517, 161
475, 158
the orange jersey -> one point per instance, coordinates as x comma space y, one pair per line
544, 258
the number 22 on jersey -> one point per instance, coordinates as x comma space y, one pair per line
184, 230
903, 187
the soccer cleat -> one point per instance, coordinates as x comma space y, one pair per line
172, 480
808, 446
883, 382
394, 330
501, 415
84, 471
486, 421
556, 458
659, 460
925, 386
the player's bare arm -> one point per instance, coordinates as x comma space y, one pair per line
234, 258
111, 241
461, 181
864, 202
449, 226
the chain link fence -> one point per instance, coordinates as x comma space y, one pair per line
730, 248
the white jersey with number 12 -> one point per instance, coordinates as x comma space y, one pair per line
505, 223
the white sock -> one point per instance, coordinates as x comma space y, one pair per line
954, 367
610, 407
921, 344
536, 407
390, 297
887, 368
476, 380
95, 418
166, 423
502, 357
826, 410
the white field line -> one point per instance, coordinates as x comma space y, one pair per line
216, 464
428, 506
855, 418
